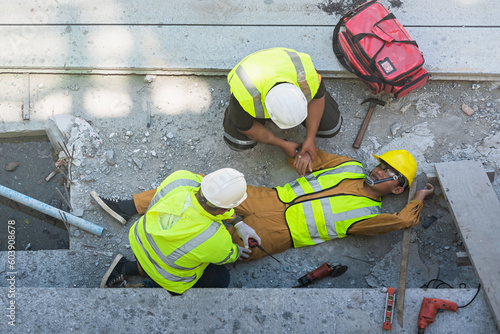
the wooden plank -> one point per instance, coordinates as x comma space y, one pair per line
476, 211
195, 49
403, 268
242, 12
26, 103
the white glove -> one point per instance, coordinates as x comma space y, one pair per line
244, 253
245, 232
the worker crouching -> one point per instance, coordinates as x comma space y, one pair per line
180, 241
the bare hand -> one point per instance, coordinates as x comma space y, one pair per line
290, 148
302, 163
425, 193
308, 146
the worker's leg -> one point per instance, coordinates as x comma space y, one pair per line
214, 276
121, 210
265, 213
332, 120
142, 200
233, 138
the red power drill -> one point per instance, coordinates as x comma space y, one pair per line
428, 310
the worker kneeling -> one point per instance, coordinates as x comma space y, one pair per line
180, 241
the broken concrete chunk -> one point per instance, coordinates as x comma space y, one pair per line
395, 127
468, 110
58, 129
137, 162
77, 212
149, 78
110, 157
11, 166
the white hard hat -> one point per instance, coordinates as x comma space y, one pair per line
286, 105
224, 188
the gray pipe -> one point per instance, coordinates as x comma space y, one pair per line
51, 211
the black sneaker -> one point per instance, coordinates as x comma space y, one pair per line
111, 206
115, 276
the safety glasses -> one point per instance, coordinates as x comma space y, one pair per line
392, 173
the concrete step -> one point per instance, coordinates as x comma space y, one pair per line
241, 12
55, 310
176, 39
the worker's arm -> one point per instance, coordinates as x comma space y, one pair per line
315, 111
385, 222
261, 134
244, 231
323, 160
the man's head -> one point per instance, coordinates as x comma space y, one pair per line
225, 188
286, 105
396, 165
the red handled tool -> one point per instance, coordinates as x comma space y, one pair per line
429, 308
389, 308
252, 243
324, 270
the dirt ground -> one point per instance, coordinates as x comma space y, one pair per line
186, 133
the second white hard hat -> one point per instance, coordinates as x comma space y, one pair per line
286, 105
224, 188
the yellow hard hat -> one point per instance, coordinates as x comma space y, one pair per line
402, 161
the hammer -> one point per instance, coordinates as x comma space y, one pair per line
373, 103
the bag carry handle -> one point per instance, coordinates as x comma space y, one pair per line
340, 56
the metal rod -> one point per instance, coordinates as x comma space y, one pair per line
50, 210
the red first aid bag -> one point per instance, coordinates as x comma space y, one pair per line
376, 47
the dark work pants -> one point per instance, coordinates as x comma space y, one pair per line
328, 127
214, 276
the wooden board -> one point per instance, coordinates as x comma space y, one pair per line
476, 211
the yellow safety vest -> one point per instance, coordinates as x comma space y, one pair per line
326, 217
255, 75
176, 257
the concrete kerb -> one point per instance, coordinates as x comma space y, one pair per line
231, 311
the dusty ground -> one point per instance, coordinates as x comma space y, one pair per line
186, 133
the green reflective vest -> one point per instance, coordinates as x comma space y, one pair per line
326, 216
175, 257
255, 75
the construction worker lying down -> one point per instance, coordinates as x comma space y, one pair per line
180, 241
335, 200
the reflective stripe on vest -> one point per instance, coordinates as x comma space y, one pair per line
185, 248
240, 79
325, 217
252, 90
313, 182
181, 251
331, 218
171, 186
301, 74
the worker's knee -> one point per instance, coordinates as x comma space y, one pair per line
238, 144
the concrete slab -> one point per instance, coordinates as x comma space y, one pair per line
450, 53
475, 208
240, 12
232, 311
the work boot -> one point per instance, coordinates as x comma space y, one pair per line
115, 276
116, 208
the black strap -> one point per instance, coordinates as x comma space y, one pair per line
356, 39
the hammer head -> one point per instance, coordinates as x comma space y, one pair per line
373, 101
